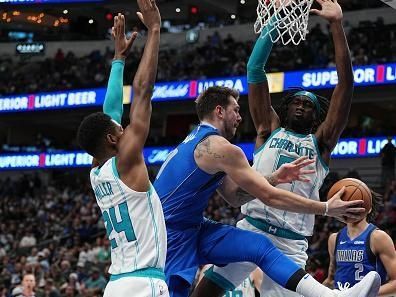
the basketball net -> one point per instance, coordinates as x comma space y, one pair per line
287, 19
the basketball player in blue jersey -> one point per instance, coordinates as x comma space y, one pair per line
360, 247
305, 126
131, 209
190, 176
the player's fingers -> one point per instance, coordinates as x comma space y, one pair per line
131, 40
303, 179
117, 25
316, 11
340, 192
122, 24
306, 163
299, 160
305, 172
320, 1
353, 216
140, 16
353, 203
356, 210
341, 219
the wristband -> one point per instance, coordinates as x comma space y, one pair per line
326, 208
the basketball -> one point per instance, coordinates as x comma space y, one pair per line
354, 190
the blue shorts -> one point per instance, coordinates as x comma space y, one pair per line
219, 244
187, 249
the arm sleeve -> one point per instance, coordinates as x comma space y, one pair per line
261, 51
112, 105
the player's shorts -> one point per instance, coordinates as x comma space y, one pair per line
219, 244
235, 273
187, 248
136, 286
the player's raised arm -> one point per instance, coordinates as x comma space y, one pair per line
136, 132
337, 116
264, 116
215, 154
113, 103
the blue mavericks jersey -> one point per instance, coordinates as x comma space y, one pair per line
184, 189
354, 258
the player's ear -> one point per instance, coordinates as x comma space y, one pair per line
219, 110
112, 139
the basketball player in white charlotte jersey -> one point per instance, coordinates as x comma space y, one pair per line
303, 128
130, 206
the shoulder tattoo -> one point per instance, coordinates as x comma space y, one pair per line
205, 148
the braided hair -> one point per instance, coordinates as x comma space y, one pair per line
291, 94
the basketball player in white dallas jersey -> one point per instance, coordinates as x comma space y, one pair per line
303, 128
131, 209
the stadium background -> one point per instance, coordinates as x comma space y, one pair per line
54, 64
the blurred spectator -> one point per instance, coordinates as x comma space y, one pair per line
388, 154
50, 290
94, 284
27, 288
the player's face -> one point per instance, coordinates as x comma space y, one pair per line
232, 118
300, 114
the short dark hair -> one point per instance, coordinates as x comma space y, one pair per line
92, 132
284, 105
213, 96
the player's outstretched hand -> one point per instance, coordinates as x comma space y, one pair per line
289, 172
122, 45
331, 10
149, 14
344, 209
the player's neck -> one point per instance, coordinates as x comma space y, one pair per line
299, 131
214, 124
355, 229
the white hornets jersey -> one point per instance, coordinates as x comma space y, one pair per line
134, 222
246, 289
284, 147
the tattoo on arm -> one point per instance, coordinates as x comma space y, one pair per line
205, 148
271, 179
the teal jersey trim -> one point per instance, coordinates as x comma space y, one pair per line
256, 151
152, 287
147, 272
325, 166
149, 193
114, 166
274, 230
97, 171
219, 280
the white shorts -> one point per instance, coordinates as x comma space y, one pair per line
136, 287
235, 273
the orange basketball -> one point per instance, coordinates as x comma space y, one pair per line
354, 190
